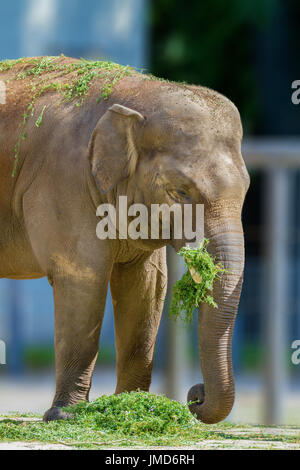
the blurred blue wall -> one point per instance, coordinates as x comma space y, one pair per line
114, 29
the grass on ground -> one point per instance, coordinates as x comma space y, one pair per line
137, 420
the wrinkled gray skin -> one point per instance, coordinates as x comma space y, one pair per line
167, 143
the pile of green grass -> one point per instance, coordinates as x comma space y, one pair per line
134, 414
187, 294
127, 419
136, 419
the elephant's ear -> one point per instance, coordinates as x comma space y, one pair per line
112, 149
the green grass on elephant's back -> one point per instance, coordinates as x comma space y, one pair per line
136, 419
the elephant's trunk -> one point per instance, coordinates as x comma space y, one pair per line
214, 399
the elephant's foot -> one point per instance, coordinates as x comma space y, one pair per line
56, 413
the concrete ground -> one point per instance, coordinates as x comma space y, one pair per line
31, 446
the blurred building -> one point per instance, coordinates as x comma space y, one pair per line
115, 29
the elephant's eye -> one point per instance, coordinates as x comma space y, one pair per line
178, 195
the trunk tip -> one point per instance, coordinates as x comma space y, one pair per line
199, 407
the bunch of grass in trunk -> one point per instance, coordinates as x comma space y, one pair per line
196, 284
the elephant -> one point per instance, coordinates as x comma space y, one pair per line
155, 141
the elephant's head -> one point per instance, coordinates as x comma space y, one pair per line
185, 146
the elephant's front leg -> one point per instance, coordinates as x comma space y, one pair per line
79, 308
138, 292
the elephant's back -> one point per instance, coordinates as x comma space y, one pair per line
65, 97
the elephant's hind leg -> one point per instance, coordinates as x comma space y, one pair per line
138, 292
